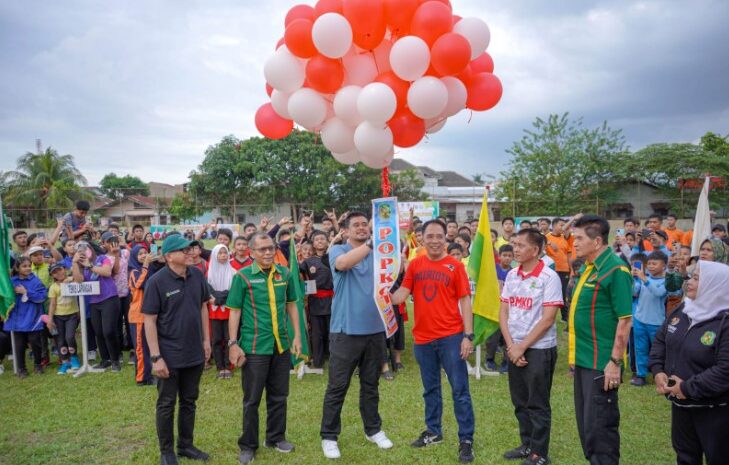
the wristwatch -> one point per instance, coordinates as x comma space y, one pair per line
155, 358
369, 243
232, 342
617, 361
469, 336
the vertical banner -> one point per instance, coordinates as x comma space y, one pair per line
386, 250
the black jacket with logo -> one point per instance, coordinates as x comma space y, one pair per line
697, 354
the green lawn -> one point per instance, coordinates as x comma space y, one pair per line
106, 419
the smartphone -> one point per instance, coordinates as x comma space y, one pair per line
671, 382
645, 233
620, 232
153, 249
638, 265
41, 235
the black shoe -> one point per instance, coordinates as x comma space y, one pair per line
246, 456
169, 459
38, 370
536, 459
399, 366
427, 438
115, 367
520, 452
638, 381
103, 365
193, 453
22, 374
388, 375
281, 446
465, 451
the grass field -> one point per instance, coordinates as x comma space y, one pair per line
106, 419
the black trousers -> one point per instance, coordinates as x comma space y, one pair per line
66, 337
219, 338
699, 432
104, 318
183, 383
123, 331
494, 341
530, 388
564, 279
22, 339
319, 338
598, 417
269, 372
346, 353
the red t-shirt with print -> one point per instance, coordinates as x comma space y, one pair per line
436, 287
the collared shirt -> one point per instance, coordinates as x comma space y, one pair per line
177, 301
527, 294
603, 295
562, 254
261, 298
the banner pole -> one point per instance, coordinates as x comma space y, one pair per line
15, 354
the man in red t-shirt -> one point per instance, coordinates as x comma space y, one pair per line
443, 334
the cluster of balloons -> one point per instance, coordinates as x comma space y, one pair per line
369, 75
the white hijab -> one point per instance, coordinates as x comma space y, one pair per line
220, 275
713, 293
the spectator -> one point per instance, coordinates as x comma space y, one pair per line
76, 226
241, 253
525, 224
714, 250
109, 241
24, 322
456, 251
39, 267
690, 363
63, 319
507, 226
196, 256
452, 227
559, 249
496, 340
464, 240
543, 225
20, 238
718, 231
650, 311
220, 277
139, 272
659, 240
474, 227
139, 238
320, 303
674, 234
249, 229
631, 225
149, 238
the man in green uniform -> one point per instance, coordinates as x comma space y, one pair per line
261, 297
600, 320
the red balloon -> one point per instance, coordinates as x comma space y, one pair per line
432, 19
269, 89
367, 18
324, 74
444, 2
456, 18
484, 92
399, 15
466, 75
407, 129
397, 85
450, 54
327, 6
271, 125
298, 38
483, 64
299, 12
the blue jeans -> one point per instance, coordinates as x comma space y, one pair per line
643, 335
446, 353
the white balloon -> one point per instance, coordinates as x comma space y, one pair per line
377, 103
349, 158
379, 162
435, 124
457, 95
410, 58
360, 69
283, 71
345, 105
337, 136
373, 141
476, 32
307, 108
280, 103
427, 97
332, 35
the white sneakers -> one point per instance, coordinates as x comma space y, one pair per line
331, 448
380, 439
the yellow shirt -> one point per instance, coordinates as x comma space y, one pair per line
64, 305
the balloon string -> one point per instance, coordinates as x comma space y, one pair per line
470, 117
374, 58
386, 182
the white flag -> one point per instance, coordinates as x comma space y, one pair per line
702, 222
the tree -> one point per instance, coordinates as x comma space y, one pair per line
44, 184
116, 187
560, 167
408, 186
183, 207
258, 173
664, 164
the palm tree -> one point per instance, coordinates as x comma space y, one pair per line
44, 183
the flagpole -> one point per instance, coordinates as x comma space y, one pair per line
15, 358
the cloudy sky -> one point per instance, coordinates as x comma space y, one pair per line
144, 87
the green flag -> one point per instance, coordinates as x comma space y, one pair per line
482, 269
294, 267
7, 294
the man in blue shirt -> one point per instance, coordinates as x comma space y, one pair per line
357, 337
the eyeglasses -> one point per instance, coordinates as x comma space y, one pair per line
186, 250
265, 250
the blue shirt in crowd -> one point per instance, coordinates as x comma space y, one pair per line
25, 317
651, 309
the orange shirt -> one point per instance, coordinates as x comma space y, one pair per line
687, 238
436, 288
560, 256
136, 289
673, 235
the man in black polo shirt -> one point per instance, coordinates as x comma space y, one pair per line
176, 324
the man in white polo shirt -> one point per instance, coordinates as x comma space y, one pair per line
530, 299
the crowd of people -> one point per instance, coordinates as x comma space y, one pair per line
640, 303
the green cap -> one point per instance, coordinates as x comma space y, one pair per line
174, 243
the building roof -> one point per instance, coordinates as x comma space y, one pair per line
444, 178
453, 179
398, 164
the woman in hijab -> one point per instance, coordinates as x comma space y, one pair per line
711, 250
220, 278
139, 273
690, 363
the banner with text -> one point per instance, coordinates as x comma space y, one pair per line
386, 250
424, 210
